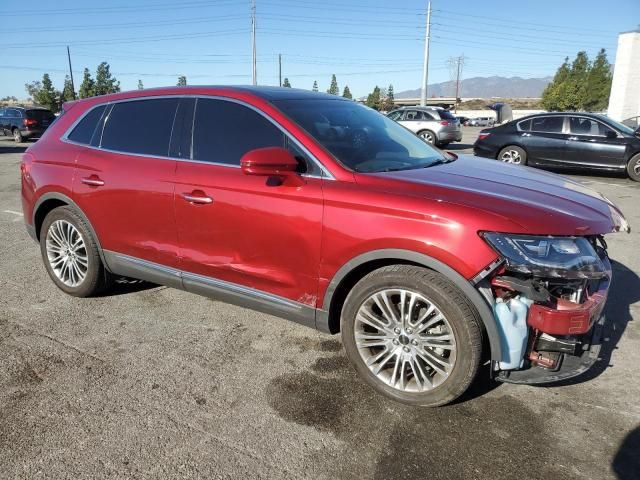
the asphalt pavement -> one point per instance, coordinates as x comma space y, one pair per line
152, 382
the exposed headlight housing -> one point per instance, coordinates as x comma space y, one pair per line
546, 256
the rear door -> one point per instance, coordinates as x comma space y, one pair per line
544, 140
240, 229
124, 180
416, 120
588, 144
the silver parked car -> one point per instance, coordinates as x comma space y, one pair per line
434, 125
481, 122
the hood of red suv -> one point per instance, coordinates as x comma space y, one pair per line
534, 201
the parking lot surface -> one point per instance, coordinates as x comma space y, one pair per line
152, 382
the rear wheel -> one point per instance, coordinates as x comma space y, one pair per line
412, 335
17, 136
513, 154
70, 254
633, 168
428, 136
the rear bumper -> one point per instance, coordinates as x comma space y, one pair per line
486, 151
453, 136
570, 365
32, 132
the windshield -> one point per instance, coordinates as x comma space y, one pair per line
359, 137
620, 126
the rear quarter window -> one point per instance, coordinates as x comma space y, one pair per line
446, 115
83, 131
524, 126
140, 126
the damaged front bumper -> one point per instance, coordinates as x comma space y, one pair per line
550, 330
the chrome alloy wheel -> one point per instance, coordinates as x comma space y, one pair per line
427, 137
67, 253
512, 156
405, 340
636, 167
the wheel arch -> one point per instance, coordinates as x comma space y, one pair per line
51, 200
350, 273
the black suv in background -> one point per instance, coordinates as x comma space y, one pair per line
22, 123
564, 141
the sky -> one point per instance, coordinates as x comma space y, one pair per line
364, 42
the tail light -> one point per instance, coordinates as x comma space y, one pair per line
445, 123
482, 136
29, 122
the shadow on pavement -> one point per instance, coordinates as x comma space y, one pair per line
124, 286
626, 463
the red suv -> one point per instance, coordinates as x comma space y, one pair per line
320, 210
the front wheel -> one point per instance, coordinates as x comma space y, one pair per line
633, 168
513, 154
412, 335
70, 254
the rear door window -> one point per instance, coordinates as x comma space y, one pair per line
141, 126
547, 124
224, 131
84, 130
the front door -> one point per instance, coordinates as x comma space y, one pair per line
125, 183
590, 144
245, 231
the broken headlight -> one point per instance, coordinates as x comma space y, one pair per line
545, 256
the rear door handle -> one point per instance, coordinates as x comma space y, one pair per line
93, 181
573, 139
198, 197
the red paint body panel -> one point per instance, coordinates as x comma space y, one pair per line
264, 237
291, 240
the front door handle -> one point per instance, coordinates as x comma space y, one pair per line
198, 197
573, 139
93, 181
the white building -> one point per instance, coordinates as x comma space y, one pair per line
624, 101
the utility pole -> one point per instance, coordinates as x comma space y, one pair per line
280, 68
425, 67
71, 73
459, 64
254, 74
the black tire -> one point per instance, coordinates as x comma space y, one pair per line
507, 151
428, 136
97, 279
17, 135
633, 168
454, 305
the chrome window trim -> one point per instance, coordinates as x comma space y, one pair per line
608, 127
325, 173
564, 124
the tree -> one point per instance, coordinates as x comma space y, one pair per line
286, 83
346, 93
33, 88
598, 85
140, 85
182, 81
315, 86
373, 99
573, 91
388, 104
88, 86
9, 99
46, 95
333, 88
67, 91
105, 82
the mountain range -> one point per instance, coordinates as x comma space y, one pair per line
485, 87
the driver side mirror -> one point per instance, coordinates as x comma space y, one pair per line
277, 163
610, 134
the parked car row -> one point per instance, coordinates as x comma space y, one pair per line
564, 141
22, 123
434, 125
